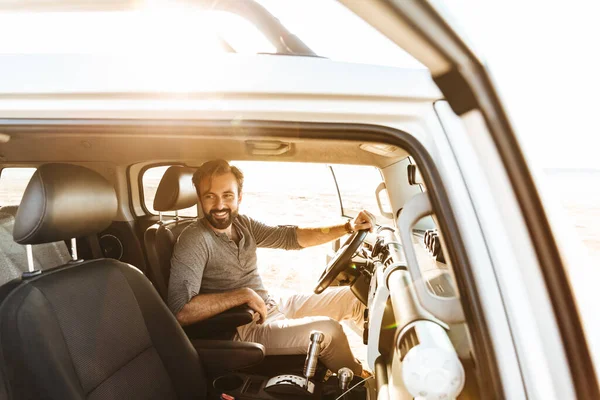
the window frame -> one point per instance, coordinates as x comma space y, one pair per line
145, 168
480, 329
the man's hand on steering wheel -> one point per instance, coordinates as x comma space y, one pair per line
364, 220
359, 227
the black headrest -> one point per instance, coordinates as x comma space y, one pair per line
176, 190
64, 201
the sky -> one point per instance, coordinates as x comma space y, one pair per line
544, 57
542, 53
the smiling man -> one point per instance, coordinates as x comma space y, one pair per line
214, 268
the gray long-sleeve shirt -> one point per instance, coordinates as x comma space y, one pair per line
205, 261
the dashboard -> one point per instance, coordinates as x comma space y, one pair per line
407, 344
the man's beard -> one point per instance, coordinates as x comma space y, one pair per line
221, 223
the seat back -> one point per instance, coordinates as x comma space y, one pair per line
175, 192
95, 330
159, 240
90, 329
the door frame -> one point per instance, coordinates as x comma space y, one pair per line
419, 28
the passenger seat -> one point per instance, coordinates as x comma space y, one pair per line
13, 256
95, 329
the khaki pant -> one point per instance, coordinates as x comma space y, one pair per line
291, 319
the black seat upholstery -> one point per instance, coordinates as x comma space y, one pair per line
90, 329
95, 330
176, 192
159, 240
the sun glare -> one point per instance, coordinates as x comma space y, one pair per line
158, 27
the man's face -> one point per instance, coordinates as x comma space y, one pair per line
220, 200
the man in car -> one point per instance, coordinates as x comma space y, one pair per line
214, 269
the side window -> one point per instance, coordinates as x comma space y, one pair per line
284, 193
13, 182
357, 185
150, 181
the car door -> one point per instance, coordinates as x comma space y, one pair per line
552, 329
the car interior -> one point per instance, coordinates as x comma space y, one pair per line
83, 312
466, 289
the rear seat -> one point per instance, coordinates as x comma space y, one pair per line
13, 256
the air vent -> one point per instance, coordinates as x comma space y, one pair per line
408, 341
111, 246
433, 243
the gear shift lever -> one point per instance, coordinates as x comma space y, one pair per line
294, 384
312, 355
345, 376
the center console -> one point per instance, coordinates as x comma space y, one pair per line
241, 386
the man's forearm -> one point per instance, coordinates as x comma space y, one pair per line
204, 306
308, 237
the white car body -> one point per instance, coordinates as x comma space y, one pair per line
506, 270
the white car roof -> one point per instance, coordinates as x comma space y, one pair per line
28, 76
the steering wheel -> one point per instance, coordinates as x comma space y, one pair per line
340, 261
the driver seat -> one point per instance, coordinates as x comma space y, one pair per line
176, 192
92, 329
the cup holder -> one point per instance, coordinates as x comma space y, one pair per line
228, 382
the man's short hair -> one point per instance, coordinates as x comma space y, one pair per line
213, 168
